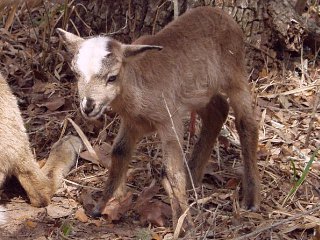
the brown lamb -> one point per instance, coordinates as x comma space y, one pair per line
193, 64
17, 159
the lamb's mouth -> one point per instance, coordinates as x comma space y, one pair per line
95, 114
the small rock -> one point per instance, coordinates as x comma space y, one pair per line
55, 211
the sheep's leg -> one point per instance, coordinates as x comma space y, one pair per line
213, 116
247, 127
121, 155
33, 180
41, 184
17, 159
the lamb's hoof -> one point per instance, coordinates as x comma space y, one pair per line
251, 204
253, 208
96, 212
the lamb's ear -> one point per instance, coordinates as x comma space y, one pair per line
70, 40
133, 50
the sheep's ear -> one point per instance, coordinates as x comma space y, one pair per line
70, 40
133, 50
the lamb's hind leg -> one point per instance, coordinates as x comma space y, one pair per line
213, 116
174, 180
247, 127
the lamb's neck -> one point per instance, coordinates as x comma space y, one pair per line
129, 101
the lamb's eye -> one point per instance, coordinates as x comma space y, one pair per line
112, 78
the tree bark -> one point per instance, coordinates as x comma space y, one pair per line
271, 27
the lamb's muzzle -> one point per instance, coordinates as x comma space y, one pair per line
87, 106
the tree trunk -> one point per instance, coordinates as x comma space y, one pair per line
272, 28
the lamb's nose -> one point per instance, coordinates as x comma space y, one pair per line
87, 105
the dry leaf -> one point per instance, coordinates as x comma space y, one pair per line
263, 151
55, 211
316, 166
81, 216
54, 104
11, 16
225, 196
146, 195
85, 142
97, 222
41, 87
115, 207
157, 211
103, 152
263, 73
232, 183
284, 102
156, 236
87, 200
31, 224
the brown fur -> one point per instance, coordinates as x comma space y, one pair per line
17, 159
202, 61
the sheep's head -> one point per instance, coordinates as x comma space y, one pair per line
97, 63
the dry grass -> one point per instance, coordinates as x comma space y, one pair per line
288, 110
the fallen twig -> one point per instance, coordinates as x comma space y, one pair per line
258, 231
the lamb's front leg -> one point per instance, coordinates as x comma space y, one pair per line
122, 149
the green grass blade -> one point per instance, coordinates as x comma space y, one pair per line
303, 176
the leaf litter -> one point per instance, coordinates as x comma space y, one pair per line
36, 67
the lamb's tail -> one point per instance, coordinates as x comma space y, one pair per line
2, 216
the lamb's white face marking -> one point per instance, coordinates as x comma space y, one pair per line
90, 56
83, 102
